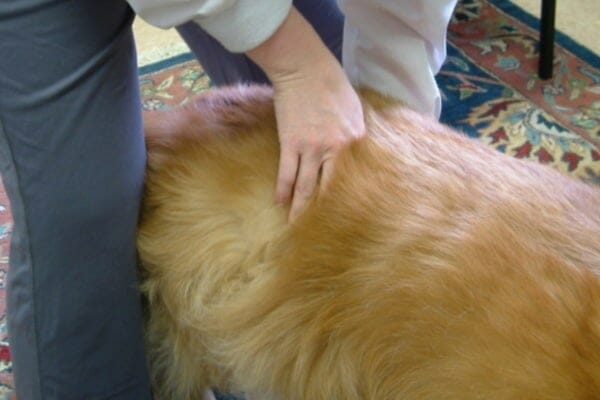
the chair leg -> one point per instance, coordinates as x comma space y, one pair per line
546, 60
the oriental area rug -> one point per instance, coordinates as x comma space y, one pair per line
491, 92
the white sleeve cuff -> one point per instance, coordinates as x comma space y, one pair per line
247, 23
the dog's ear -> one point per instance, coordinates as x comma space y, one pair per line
159, 131
227, 110
236, 99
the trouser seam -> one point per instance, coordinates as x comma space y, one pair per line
16, 201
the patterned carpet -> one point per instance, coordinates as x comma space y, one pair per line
491, 92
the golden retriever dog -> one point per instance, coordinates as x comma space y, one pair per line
431, 267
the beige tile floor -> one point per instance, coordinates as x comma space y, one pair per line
579, 19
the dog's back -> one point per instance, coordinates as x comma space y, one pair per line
431, 267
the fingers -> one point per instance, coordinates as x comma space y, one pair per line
306, 181
286, 177
326, 173
298, 178
301, 169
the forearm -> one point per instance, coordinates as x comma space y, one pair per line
294, 48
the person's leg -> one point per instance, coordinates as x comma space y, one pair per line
397, 47
225, 68
72, 158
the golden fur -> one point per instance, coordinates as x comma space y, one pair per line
432, 267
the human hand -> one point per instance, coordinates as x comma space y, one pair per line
316, 116
317, 110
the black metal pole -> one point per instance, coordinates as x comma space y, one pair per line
546, 61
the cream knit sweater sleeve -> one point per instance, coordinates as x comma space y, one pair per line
239, 25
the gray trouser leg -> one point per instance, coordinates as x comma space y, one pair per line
225, 68
72, 157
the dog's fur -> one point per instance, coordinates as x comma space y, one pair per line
431, 267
